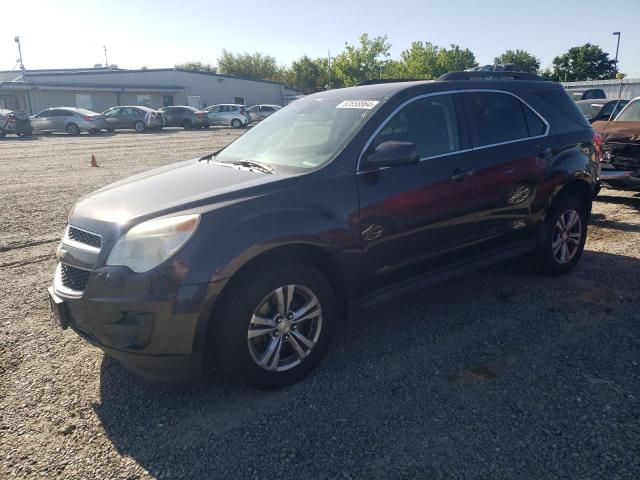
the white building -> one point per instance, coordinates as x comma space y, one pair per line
100, 88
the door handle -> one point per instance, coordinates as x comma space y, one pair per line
460, 173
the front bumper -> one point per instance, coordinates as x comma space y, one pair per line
152, 326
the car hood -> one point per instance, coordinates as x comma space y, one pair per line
178, 187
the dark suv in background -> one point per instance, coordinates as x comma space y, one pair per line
249, 257
185, 117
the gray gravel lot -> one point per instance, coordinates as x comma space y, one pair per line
499, 374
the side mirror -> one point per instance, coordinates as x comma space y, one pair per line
392, 153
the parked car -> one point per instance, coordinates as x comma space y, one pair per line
14, 123
260, 112
185, 117
621, 148
586, 93
230, 114
135, 117
346, 198
72, 120
604, 109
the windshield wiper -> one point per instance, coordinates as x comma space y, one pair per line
250, 164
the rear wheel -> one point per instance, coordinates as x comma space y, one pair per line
110, 130
563, 237
205, 126
236, 123
140, 126
73, 129
187, 125
276, 327
2, 133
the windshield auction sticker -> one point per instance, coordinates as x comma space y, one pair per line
361, 104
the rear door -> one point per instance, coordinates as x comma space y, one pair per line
511, 150
420, 216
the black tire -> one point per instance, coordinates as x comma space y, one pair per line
236, 123
73, 129
229, 328
2, 133
139, 126
187, 125
94, 131
110, 130
544, 259
206, 125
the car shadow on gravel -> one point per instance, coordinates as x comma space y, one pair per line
502, 373
633, 201
600, 220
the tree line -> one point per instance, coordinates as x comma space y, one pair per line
370, 59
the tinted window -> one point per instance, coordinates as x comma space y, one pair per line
558, 99
607, 109
430, 123
535, 125
496, 118
268, 109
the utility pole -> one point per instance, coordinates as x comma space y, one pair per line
615, 73
17, 40
106, 60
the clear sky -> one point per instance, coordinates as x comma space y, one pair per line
160, 33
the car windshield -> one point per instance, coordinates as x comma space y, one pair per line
631, 113
304, 135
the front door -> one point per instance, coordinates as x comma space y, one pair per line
421, 216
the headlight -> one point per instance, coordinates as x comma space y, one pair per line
149, 244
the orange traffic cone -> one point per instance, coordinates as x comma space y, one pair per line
93, 161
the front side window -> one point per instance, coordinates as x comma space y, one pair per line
631, 113
500, 117
304, 135
429, 122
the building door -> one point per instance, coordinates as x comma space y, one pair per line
167, 100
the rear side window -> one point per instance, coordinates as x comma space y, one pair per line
429, 122
496, 118
535, 125
559, 100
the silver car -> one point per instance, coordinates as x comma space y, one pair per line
230, 114
260, 112
72, 120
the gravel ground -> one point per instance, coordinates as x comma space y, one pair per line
499, 374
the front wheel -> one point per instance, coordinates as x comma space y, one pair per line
73, 129
276, 327
236, 123
563, 237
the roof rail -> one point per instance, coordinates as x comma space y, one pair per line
490, 76
376, 81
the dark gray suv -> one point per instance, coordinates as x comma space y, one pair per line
250, 256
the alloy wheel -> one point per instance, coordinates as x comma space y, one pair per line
284, 328
567, 235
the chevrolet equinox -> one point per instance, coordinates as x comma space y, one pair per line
248, 257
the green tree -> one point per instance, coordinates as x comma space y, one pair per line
308, 75
420, 61
522, 60
587, 62
361, 62
454, 59
197, 66
250, 65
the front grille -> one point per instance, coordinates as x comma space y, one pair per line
73, 278
82, 236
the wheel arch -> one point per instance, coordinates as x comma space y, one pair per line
317, 256
578, 188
